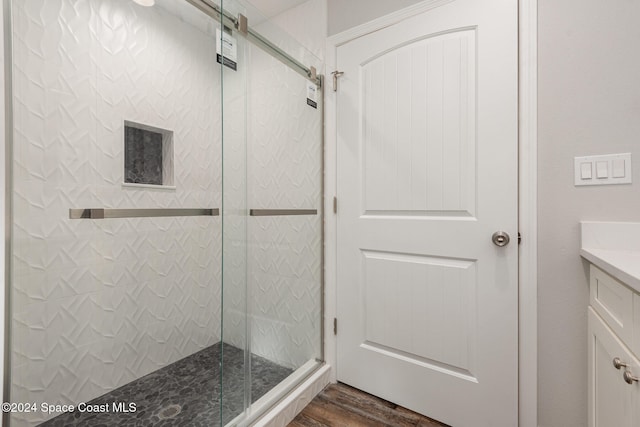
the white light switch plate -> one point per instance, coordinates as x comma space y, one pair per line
611, 169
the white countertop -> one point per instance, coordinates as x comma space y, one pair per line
614, 247
624, 266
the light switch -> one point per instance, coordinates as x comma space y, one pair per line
617, 168
602, 170
607, 169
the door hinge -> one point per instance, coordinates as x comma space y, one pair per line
335, 326
335, 205
519, 238
335, 75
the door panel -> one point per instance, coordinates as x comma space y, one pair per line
409, 321
427, 172
408, 167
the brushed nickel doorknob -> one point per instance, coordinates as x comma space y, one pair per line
500, 238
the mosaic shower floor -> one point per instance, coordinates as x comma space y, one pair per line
185, 393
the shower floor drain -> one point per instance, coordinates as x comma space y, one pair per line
169, 412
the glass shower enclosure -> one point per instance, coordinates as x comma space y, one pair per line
166, 225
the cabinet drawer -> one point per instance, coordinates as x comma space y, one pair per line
613, 301
612, 401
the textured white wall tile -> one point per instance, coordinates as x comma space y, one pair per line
284, 254
272, 265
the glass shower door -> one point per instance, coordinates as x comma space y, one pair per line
272, 216
166, 223
115, 262
235, 355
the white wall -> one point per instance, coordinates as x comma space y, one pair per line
344, 14
589, 103
97, 304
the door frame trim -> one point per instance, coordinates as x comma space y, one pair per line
527, 195
528, 212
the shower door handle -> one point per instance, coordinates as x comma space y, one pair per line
105, 213
282, 212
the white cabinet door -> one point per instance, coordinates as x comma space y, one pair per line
612, 401
427, 172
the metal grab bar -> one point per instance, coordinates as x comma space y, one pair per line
282, 212
102, 213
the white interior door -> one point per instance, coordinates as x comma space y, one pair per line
427, 172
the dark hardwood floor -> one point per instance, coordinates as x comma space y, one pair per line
342, 405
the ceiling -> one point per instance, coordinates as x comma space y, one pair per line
257, 11
271, 8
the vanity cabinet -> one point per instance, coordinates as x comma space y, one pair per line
614, 341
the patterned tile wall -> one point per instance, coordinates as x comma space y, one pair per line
235, 202
284, 162
97, 304
276, 275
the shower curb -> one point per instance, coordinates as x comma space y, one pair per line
285, 411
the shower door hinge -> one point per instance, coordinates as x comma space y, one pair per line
335, 326
519, 238
335, 75
335, 205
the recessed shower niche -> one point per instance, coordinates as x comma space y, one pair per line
148, 155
